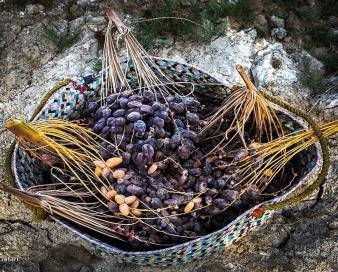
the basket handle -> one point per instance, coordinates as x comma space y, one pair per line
47, 96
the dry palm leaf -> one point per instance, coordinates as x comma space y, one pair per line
243, 105
265, 161
268, 159
66, 142
82, 212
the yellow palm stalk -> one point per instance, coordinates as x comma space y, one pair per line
73, 145
275, 154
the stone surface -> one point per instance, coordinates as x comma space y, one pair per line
299, 238
262, 25
279, 33
277, 22
220, 56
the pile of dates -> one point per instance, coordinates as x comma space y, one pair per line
163, 179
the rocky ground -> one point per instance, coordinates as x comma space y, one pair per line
300, 238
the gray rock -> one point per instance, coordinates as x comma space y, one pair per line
18, 266
74, 62
69, 257
327, 107
333, 224
60, 25
262, 24
188, 3
96, 23
220, 56
314, 63
85, 2
34, 9
280, 239
76, 24
266, 75
279, 32
277, 22
76, 11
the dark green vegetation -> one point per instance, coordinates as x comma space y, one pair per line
311, 78
316, 27
241, 10
97, 66
208, 20
324, 36
62, 39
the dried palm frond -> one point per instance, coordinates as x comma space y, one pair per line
147, 72
59, 141
54, 199
82, 213
112, 77
243, 105
268, 159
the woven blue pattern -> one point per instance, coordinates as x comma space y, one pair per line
69, 101
28, 168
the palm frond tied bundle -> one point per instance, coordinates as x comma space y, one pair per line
272, 157
148, 165
76, 148
262, 163
243, 105
146, 71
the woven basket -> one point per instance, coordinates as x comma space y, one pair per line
66, 101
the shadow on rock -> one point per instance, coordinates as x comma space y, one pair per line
68, 257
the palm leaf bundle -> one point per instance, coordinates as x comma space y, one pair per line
242, 106
146, 70
265, 161
74, 146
